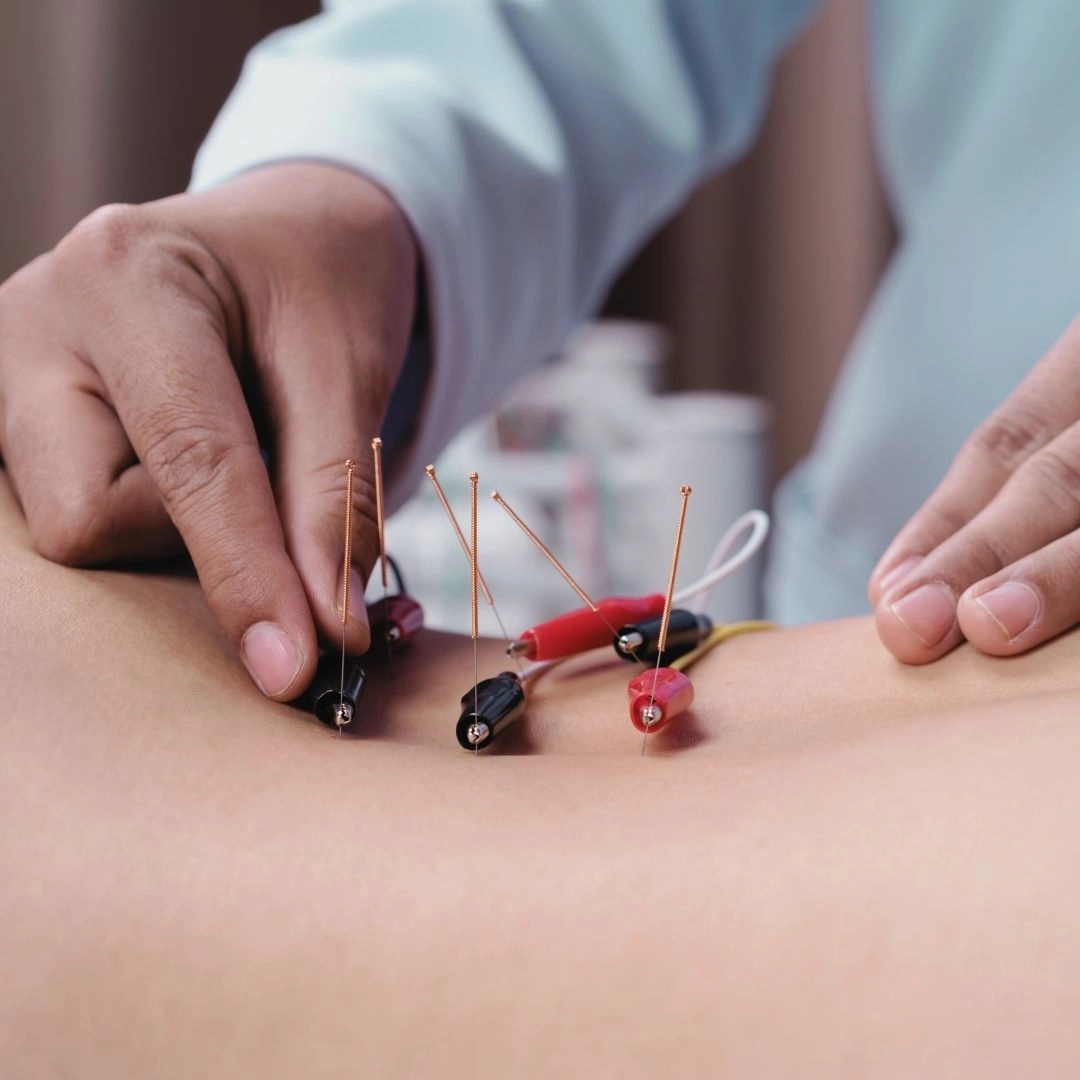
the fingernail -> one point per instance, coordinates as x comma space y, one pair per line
356, 595
270, 656
898, 572
1014, 606
929, 612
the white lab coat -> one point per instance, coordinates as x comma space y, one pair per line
534, 144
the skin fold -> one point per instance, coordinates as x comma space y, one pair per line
834, 865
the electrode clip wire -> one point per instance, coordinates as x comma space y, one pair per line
718, 635
723, 563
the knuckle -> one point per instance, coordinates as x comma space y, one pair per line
1055, 473
326, 484
107, 236
69, 529
941, 519
982, 554
234, 585
187, 460
1010, 437
1058, 570
198, 476
68, 515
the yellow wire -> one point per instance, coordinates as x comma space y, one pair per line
720, 633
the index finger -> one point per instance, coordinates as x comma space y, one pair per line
174, 387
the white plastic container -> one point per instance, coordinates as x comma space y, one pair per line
718, 444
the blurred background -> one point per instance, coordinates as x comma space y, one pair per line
757, 286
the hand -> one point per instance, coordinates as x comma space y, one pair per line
129, 357
994, 554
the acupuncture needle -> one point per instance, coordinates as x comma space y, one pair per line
380, 520
685, 492
551, 558
350, 467
474, 582
488, 597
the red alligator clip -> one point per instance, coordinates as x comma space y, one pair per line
583, 629
657, 696
395, 619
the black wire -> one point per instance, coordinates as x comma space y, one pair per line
397, 575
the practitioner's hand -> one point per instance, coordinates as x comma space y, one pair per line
994, 554
143, 361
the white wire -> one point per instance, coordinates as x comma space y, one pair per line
535, 668
722, 563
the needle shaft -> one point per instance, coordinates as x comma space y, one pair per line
684, 492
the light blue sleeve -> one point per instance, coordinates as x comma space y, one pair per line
533, 145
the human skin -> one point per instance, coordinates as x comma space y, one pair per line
992, 556
137, 356
149, 358
834, 865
